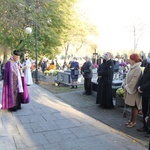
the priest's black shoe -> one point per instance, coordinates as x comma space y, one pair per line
13, 108
147, 135
18, 107
143, 129
84, 93
88, 94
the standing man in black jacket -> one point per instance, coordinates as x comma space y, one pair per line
144, 90
105, 77
86, 71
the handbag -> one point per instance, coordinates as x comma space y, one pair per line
76, 72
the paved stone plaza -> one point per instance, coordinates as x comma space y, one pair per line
66, 121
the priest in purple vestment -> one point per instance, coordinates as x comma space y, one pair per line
14, 90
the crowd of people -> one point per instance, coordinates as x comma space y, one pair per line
136, 84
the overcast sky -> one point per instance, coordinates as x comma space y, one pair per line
115, 20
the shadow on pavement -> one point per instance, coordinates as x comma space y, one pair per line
111, 117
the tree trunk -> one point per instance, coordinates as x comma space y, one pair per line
66, 52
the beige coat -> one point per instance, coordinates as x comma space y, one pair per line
130, 85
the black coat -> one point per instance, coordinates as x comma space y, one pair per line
144, 63
106, 70
145, 82
104, 90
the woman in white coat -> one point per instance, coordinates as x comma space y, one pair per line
27, 71
130, 85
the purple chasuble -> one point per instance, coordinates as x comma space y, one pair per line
10, 83
10, 87
25, 95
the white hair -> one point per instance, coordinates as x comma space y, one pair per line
87, 57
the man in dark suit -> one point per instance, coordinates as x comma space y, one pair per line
143, 89
86, 71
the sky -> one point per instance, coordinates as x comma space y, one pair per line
116, 21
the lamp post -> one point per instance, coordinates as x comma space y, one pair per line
29, 31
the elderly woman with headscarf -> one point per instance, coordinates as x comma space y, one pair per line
74, 66
130, 85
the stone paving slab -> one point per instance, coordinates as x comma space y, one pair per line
61, 122
112, 118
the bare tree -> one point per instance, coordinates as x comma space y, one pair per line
138, 31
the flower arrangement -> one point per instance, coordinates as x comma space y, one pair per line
120, 93
51, 72
51, 67
123, 64
55, 73
46, 72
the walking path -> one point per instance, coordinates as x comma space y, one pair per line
66, 121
